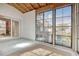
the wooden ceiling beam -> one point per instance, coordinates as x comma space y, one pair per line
20, 6
16, 6
44, 8
24, 7
43, 4
29, 6
39, 5
32, 6
50, 6
35, 5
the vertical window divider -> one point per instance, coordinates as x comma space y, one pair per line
62, 25
66, 37
43, 25
53, 26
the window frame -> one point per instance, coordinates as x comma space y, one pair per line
54, 24
43, 23
67, 26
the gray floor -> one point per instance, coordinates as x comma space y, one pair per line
10, 47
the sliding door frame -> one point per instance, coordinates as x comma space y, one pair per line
43, 25
54, 24
71, 24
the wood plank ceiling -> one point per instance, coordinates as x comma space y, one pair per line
26, 7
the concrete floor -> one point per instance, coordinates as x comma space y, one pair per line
15, 46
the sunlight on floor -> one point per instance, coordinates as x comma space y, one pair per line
21, 45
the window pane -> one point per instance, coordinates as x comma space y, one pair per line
66, 41
66, 21
59, 12
63, 26
59, 39
2, 28
48, 18
40, 16
67, 31
59, 21
5, 28
59, 31
48, 29
44, 27
48, 26
15, 28
39, 22
48, 15
67, 11
50, 22
40, 26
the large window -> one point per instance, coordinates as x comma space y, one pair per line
48, 26
44, 26
8, 28
5, 28
39, 27
63, 26
55, 25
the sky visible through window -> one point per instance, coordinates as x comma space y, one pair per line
62, 12
63, 23
63, 26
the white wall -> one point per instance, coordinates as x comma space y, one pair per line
10, 11
27, 20
28, 25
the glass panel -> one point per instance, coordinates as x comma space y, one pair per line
67, 11
2, 28
15, 28
63, 26
59, 39
67, 31
39, 27
48, 26
48, 15
5, 28
48, 18
59, 31
59, 21
66, 41
63, 40
48, 21
40, 16
59, 12
66, 21
40, 22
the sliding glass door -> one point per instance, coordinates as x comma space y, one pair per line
63, 26
48, 26
55, 26
39, 27
44, 27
